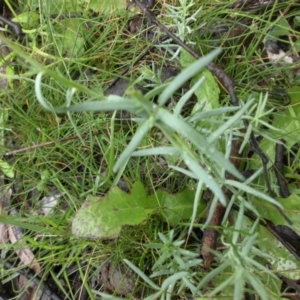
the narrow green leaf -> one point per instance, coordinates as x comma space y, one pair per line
201, 115
156, 91
239, 285
172, 279
113, 102
108, 297
249, 244
182, 101
142, 275
217, 133
258, 286
184, 76
179, 125
196, 205
134, 143
157, 151
228, 281
204, 177
208, 93
252, 191
184, 171
24, 223
212, 275
155, 296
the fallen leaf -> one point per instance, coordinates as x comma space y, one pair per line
25, 254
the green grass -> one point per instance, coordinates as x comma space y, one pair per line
87, 53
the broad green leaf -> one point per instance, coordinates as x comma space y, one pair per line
281, 28
208, 93
7, 169
297, 20
282, 259
178, 207
289, 120
28, 20
185, 75
297, 47
104, 217
104, 6
70, 39
186, 59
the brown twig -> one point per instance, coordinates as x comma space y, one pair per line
15, 27
210, 234
279, 154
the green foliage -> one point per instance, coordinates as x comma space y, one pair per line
167, 136
241, 255
175, 261
5, 167
104, 217
286, 263
208, 93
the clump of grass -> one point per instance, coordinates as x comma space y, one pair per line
84, 166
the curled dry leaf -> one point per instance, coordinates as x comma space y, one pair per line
25, 254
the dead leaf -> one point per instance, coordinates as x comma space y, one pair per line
25, 254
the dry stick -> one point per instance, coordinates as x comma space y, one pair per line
279, 154
210, 234
284, 190
15, 27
